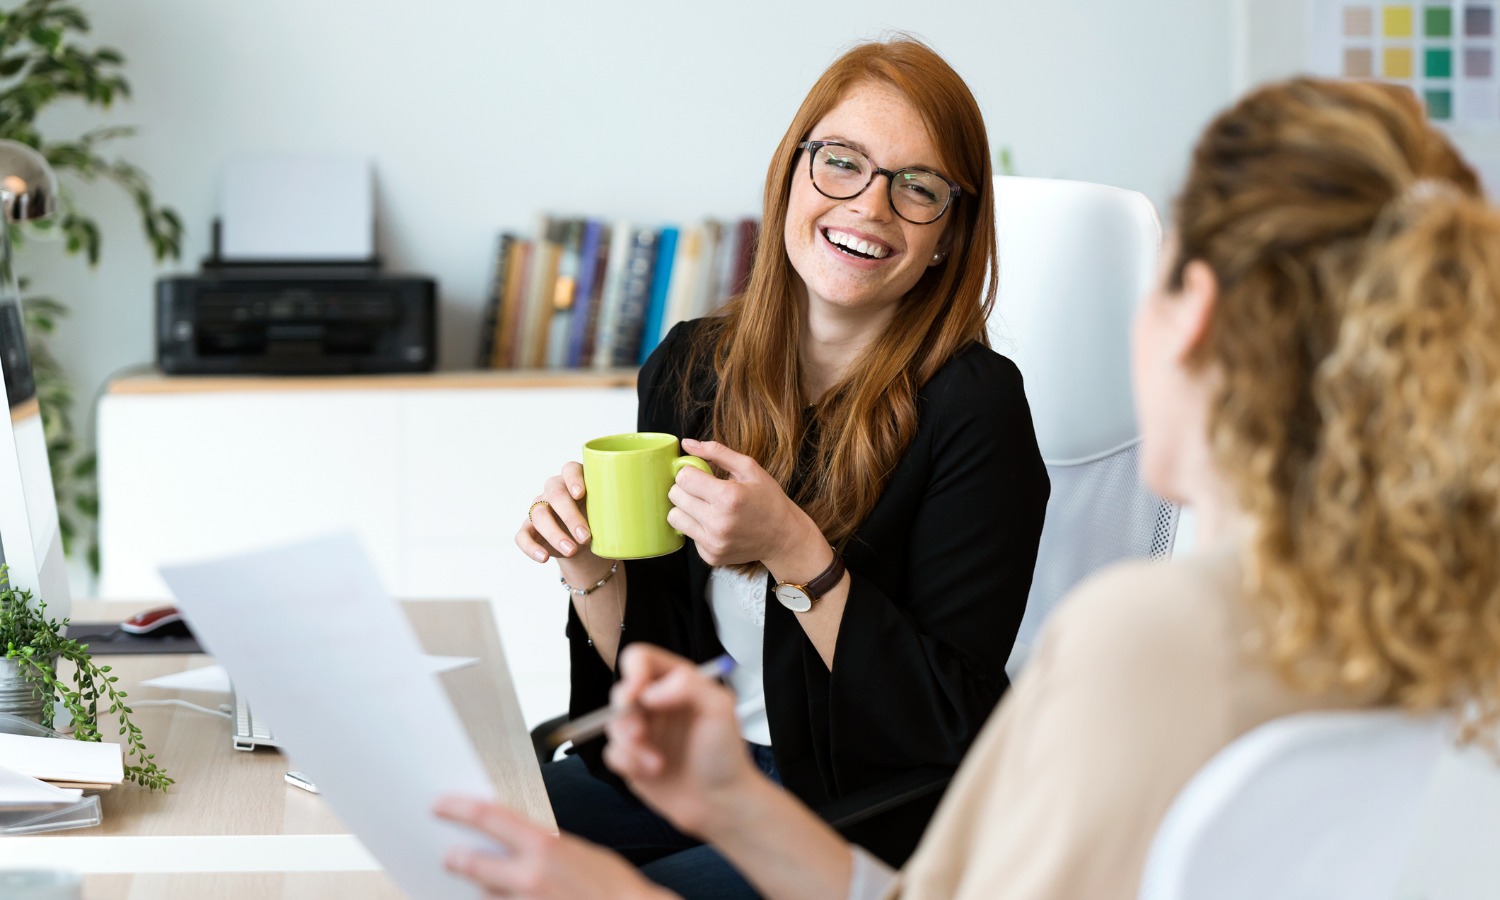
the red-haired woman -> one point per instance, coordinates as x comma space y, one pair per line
866, 556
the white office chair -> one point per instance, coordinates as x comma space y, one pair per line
1075, 259
1315, 806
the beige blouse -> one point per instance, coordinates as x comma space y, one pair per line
1139, 679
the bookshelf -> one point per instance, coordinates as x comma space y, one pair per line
586, 294
433, 473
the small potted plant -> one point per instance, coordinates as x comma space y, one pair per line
34, 647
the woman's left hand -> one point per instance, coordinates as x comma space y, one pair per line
743, 518
538, 864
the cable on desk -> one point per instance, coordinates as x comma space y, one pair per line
183, 703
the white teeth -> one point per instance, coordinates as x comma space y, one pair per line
857, 245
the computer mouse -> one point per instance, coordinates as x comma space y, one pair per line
164, 621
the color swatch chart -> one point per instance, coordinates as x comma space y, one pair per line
1446, 52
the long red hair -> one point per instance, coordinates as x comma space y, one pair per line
865, 423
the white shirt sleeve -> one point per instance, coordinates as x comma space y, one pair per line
871, 878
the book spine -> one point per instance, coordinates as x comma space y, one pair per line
584, 291
745, 257
513, 304
540, 293
705, 297
685, 267
661, 282
602, 341
724, 262
489, 324
587, 346
635, 302
564, 290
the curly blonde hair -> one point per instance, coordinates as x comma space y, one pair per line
1358, 417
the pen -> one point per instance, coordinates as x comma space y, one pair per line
590, 725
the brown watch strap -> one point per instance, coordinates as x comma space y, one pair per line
828, 579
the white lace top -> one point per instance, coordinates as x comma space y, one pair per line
738, 603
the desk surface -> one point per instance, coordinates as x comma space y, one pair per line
231, 826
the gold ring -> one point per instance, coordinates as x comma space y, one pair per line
533, 507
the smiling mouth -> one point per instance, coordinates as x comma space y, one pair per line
850, 245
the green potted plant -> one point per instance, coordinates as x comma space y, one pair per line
34, 676
42, 62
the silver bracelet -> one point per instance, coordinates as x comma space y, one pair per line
584, 592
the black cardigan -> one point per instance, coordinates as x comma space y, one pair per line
939, 574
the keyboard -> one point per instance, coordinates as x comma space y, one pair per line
250, 732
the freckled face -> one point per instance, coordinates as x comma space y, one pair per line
857, 255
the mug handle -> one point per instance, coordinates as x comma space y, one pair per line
695, 462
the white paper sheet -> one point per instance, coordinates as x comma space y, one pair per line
204, 679
280, 207
214, 680
307, 631
19, 791
63, 759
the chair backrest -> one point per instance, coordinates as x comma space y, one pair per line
1075, 259
1314, 806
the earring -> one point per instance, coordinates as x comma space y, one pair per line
937, 257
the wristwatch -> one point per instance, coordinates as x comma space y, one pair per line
801, 597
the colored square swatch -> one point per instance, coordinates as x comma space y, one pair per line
1396, 21
1359, 62
1359, 21
1437, 21
1439, 105
1477, 103
1396, 62
1479, 21
1479, 62
1439, 64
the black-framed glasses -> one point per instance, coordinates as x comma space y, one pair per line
840, 172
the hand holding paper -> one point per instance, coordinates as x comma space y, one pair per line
309, 633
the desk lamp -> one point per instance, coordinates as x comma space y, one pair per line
27, 186
28, 191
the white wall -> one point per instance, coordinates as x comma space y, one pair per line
1271, 40
481, 114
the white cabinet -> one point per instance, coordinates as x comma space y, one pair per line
434, 473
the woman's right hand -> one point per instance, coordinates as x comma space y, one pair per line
557, 526
676, 741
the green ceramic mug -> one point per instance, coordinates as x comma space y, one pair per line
626, 478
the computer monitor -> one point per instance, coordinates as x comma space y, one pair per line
30, 539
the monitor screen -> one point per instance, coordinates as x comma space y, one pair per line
30, 539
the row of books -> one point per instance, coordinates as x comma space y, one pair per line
590, 294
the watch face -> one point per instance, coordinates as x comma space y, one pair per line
793, 598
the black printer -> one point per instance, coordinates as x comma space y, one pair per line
295, 320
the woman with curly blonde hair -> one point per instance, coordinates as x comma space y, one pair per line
1318, 376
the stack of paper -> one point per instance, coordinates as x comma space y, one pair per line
29, 804
63, 762
21, 792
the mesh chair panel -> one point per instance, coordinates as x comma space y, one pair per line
1100, 512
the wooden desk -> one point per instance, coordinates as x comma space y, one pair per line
231, 827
